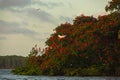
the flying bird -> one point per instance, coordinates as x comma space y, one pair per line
61, 36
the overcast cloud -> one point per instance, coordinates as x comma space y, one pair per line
14, 3
24, 23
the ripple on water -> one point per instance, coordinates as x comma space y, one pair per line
5, 74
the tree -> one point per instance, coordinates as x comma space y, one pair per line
113, 5
89, 46
10, 62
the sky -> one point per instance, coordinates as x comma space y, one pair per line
24, 23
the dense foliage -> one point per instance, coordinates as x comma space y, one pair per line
11, 62
88, 47
113, 5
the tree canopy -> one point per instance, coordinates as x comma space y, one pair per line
113, 5
87, 47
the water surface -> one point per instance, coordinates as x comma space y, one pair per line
5, 74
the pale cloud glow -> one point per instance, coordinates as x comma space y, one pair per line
24, 23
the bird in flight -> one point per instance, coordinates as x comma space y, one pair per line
61, 36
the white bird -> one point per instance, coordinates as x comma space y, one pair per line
61, 36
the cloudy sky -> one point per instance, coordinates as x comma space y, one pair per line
24, 23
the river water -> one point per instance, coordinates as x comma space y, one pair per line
5, 74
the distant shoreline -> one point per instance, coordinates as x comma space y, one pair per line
11, 62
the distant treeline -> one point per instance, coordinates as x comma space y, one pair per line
10, 62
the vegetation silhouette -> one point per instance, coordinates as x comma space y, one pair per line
12, 62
